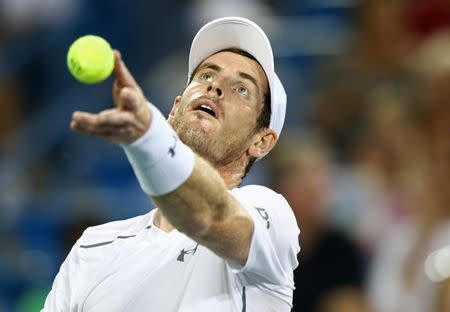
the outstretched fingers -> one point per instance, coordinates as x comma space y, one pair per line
104, 124
127, 94
123, 76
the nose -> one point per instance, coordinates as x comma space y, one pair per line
215, 88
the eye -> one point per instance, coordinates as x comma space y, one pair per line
242, 90
206, 77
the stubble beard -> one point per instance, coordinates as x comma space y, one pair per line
218, 153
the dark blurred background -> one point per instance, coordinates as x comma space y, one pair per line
364, 159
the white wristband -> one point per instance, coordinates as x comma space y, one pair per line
159, 159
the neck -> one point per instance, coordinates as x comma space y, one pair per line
233, 173
161, 222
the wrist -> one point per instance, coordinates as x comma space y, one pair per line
160, 160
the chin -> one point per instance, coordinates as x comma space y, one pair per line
202, 144
198, 134
201, 122
192, 134
194, 125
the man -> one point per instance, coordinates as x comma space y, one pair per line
209, 246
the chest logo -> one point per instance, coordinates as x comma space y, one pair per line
184, 252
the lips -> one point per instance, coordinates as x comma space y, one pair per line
207, 109
206, 105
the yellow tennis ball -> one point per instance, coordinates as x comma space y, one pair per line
90, 59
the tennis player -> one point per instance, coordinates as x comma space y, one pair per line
210, 245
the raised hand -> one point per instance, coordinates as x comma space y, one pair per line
125, 123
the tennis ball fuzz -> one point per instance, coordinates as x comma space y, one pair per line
90, 59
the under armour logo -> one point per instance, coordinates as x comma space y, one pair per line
172, 148
263, 213
186, 252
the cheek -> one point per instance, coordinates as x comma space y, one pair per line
193, 90
242, 116
189, 95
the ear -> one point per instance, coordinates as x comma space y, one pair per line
263, 142
175, 107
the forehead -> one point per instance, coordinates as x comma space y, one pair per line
235, 62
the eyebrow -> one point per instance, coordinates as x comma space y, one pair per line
249, 77
217, 68
208, 65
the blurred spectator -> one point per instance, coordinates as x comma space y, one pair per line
382, 152
330, 273
398, 282
429, 16
366, 109
376, 58
383, 38
433, 64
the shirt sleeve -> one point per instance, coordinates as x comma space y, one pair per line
60, 295
274, 247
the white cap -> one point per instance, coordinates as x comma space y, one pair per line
241, 33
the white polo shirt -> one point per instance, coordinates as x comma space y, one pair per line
131, 265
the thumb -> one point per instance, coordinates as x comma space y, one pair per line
130, 99
123, 76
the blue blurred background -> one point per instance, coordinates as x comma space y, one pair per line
364, 159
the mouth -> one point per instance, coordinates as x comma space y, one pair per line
206, 105
207, 109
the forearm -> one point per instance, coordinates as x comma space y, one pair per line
204, 210
199, 202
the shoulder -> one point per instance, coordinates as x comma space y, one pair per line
259, 195
254, 189
272, 209
111, 230
274, 247
263, 199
